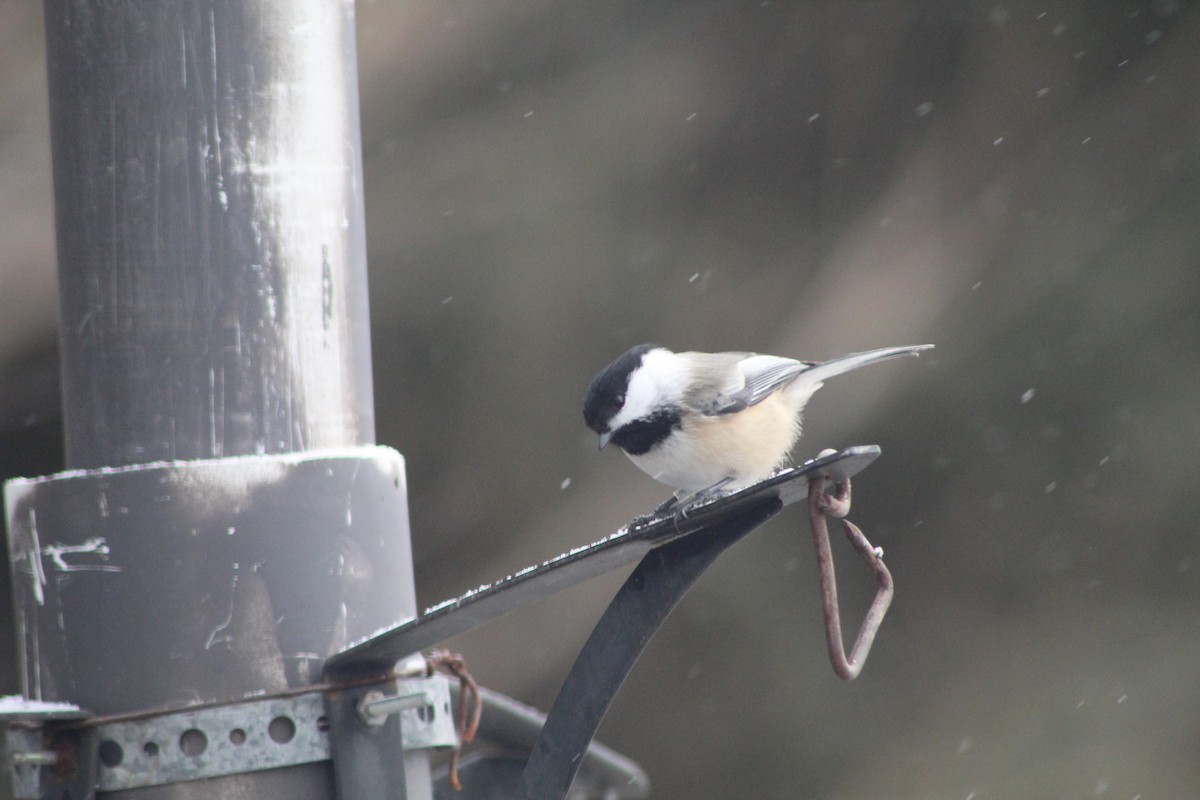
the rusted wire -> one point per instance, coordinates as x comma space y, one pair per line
470, 704
282, 694
837, 504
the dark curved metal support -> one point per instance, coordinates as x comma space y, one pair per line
672, 551
649, 594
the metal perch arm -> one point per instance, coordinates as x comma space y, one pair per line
837, 505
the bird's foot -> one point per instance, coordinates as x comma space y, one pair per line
689, 503
642, 520
683, 503
666, 505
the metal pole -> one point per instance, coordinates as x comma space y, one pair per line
210, 228
214, 306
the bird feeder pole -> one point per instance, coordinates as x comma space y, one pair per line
227, 523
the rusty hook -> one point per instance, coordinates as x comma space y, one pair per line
837, 504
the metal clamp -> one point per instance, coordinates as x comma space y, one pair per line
204, 742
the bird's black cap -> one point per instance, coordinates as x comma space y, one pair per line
606, 394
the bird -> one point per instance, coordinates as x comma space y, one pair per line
710, 423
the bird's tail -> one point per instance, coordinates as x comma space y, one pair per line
819, 373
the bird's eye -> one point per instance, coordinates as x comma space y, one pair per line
620, 400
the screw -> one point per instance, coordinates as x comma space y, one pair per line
375, 707
42, 758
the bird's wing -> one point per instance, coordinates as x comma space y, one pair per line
735, 381
738, 380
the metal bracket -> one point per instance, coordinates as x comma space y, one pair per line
376, 654
364, 761
25, 756
671, 557
28, 751
205, 741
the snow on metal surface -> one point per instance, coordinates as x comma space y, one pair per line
380, 632
378, 451
16, 705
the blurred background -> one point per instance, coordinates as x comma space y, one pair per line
550, 182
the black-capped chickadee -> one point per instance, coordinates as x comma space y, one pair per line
703, 422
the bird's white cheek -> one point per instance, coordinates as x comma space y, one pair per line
656, 384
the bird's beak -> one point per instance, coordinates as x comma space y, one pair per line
604, 437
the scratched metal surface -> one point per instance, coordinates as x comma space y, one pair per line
210, 232
140, 587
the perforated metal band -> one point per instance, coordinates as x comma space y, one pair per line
248, 736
